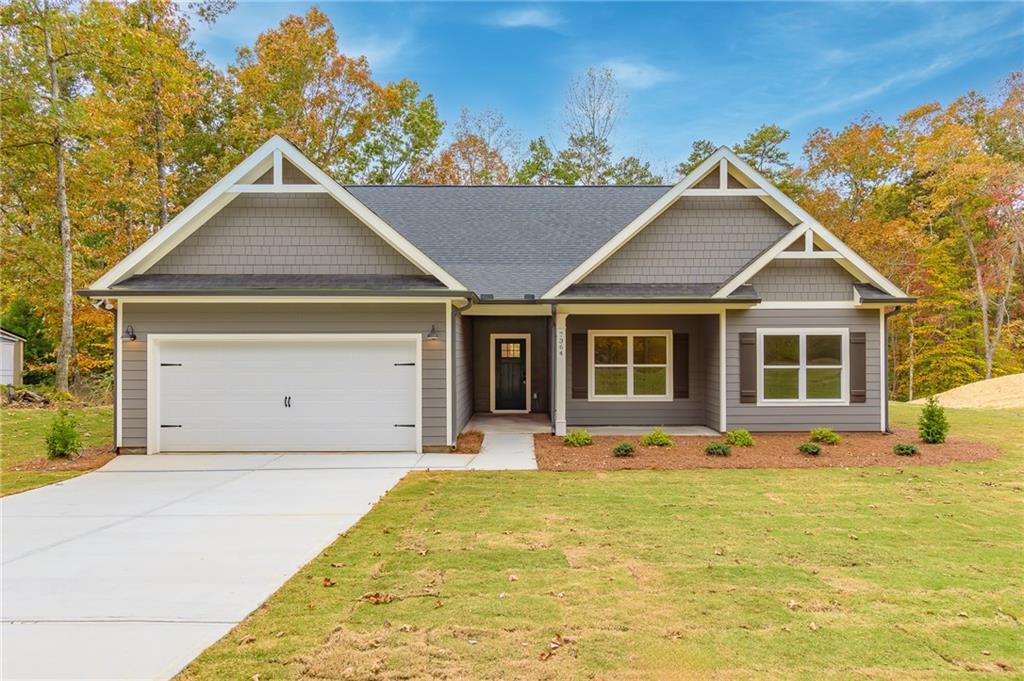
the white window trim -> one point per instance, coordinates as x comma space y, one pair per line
629, 397
844, 381
529, 369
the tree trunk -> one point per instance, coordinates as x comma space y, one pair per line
67, 330
161, 165
910, 377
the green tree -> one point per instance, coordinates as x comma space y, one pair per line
405, 135
539, 166
631, 170
699, 151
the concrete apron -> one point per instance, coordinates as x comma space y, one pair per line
131, 571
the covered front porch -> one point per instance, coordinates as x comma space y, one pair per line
611, 368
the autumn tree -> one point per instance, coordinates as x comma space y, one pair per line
295, 82
41, 84
477, 154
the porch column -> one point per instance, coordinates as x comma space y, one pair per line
560, 377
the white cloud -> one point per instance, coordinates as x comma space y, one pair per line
913, 76
529, 17
638, 75
379, 50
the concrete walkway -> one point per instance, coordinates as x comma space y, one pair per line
131, 571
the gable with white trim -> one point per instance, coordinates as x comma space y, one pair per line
701, 239
360, 238
701, 183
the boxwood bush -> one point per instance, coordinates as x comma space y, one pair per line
905, 449
624, 449
810, 448
717, 449
739, 438
656, 438
825, 436
577, 438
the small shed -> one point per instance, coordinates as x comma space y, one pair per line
12, 357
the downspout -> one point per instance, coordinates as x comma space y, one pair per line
885, 340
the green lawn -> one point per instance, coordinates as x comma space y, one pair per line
882, 573
23, 438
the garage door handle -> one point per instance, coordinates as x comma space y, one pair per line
170, 425
170, 364
405, 425
405, 364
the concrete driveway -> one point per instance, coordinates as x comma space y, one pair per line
131, 571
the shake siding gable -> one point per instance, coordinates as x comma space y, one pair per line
284, 234
227, 318
803, 280
696, 240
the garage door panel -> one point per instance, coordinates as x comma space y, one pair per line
343, 395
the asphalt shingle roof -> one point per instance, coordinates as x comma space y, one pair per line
508, 241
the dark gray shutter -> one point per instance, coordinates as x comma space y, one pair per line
681, 365
748, 368
858, 368
579, 366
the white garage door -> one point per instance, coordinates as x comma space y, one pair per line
287, 395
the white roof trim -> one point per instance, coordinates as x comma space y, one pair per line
775, 199
218, 196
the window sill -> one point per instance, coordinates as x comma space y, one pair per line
802, 403
626, 398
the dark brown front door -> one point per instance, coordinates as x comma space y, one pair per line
509, 374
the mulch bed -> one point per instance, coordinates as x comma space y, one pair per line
469, 442
770, 450
86, 460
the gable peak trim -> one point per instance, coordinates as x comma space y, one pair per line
269, 156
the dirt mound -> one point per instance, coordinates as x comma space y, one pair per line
1005, 392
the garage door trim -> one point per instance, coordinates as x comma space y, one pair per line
153, 341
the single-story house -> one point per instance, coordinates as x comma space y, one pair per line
283, 311
12, 357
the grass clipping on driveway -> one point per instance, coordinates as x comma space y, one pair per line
823, 573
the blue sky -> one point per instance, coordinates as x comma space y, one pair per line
690, 70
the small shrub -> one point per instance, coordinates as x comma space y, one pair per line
739, 438
717, 449
63, 440
932, 425
656, 438
624, 449
825, 436
810, 449
577, 438
903, 449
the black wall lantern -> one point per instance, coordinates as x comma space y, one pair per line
128, 333
432, 334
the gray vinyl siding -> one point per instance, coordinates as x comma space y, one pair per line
697, 240
462, 371
283, 234
806, 280
866, 416
537, 327
677, 412
712, 362
148, 318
